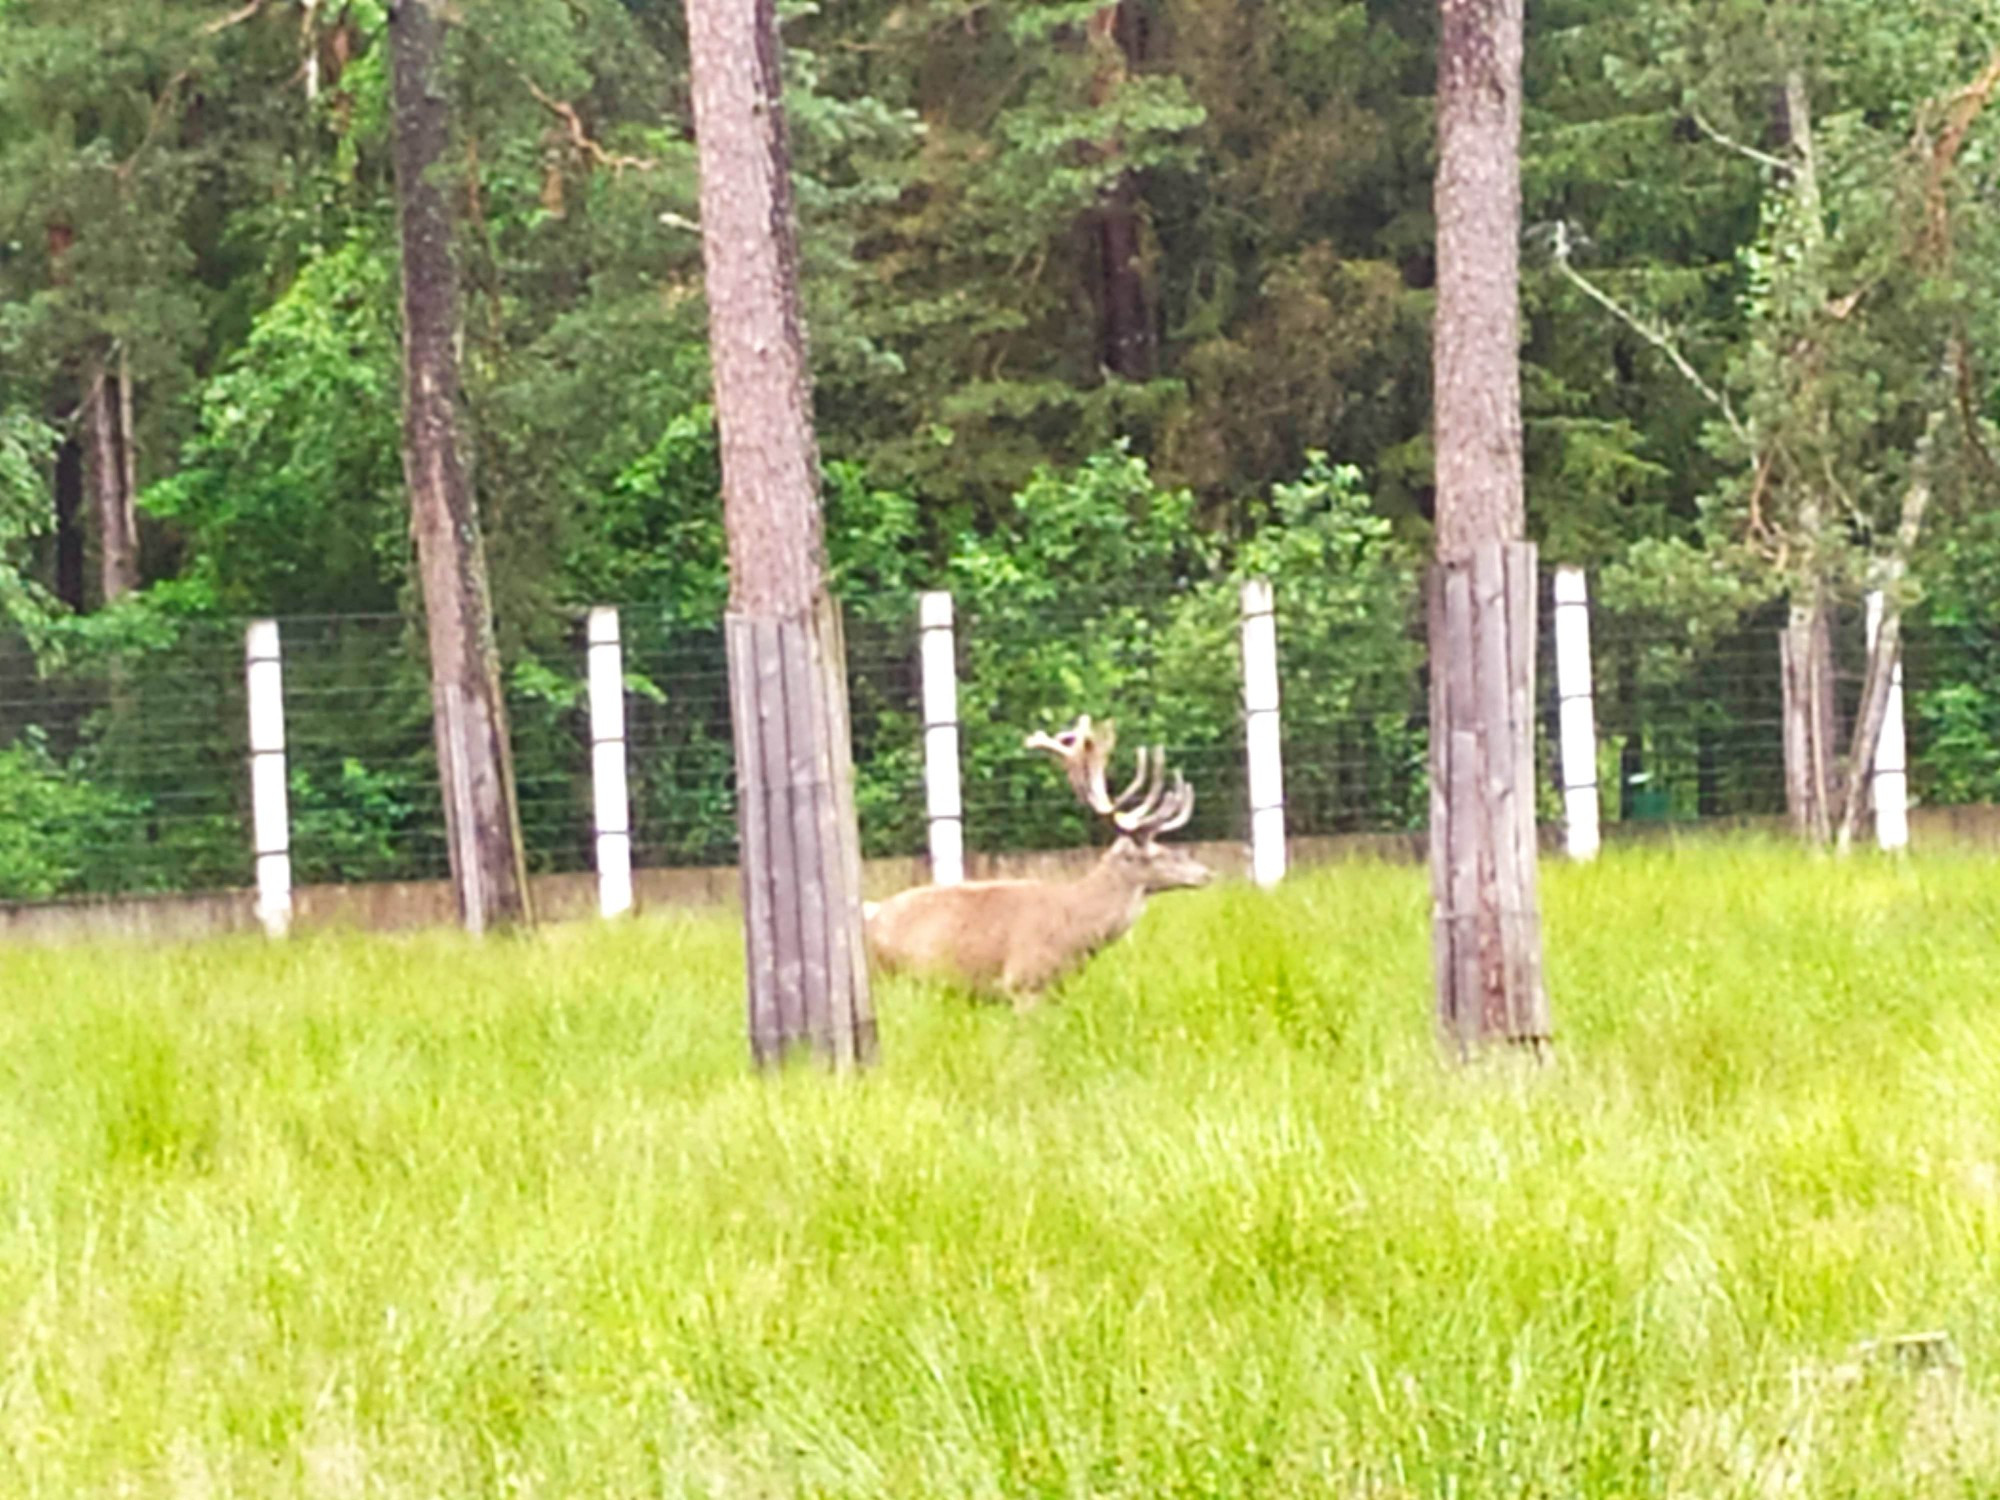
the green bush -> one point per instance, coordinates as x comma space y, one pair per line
59, 832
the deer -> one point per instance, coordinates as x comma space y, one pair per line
1018, 937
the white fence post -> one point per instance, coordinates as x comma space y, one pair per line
1577, 716
1261, 733
612, 803
1889, 783
942, 802
270, 813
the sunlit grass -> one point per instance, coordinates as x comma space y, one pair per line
361, 1217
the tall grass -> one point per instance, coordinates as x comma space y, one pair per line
368, 1217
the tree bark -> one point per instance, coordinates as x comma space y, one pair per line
1486, 923
1126, 346
1807, 708
468, 713
109, 465
69, 524
1807, 705
799, 849
1477, 398
1886, 648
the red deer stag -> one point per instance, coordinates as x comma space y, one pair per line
1018, 937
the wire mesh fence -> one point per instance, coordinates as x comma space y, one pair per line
125, 771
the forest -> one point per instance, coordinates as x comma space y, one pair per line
1110, 306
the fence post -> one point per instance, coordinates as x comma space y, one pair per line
1889, 785
942, 802
612, 805
1261, 739
1576, 715
270, 814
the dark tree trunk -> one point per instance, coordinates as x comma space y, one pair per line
800, 854
1126, 345
469, 718
1486, 921
109, 465
69, 527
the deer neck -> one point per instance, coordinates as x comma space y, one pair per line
1107, 902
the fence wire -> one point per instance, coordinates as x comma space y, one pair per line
126, 771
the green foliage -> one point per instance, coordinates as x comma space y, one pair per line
357, 826
1102, 596
290, 489
26, 448
59, 832
1954, 667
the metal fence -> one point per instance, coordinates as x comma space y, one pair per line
128, 771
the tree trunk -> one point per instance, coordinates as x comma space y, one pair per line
1807, 709
1886, 648
69, 524
1486, 924
1126, 345
468, 714
800, 853
109, 466
1807, 706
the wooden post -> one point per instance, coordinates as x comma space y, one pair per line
1486, 931
1261, 737
942, 801
1890, 783
1576, 713
612, 802
270, 813
800, 849
800, 857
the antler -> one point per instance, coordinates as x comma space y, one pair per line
1146, 807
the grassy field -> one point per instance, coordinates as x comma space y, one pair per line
421, 1218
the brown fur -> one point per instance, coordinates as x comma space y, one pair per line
1017, 937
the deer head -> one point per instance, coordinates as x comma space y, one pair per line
1147, 808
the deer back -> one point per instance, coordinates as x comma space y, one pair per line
1012, 935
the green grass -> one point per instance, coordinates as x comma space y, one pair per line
370, 1217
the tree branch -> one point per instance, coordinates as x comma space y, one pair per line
580, 138
234, 18
1762, 158
1654, 336
157, 116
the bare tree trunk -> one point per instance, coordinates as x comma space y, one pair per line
1126, 345
1888, 643
800, 853
108, 462
1807, 708
69, 523
1486, 922
469, 717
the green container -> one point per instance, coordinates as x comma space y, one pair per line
1647, 804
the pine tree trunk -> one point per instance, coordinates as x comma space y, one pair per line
469, 718
800, 854
1126, 345
1486, 922
70, 509
108, 463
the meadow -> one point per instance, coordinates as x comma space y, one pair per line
369, 1217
